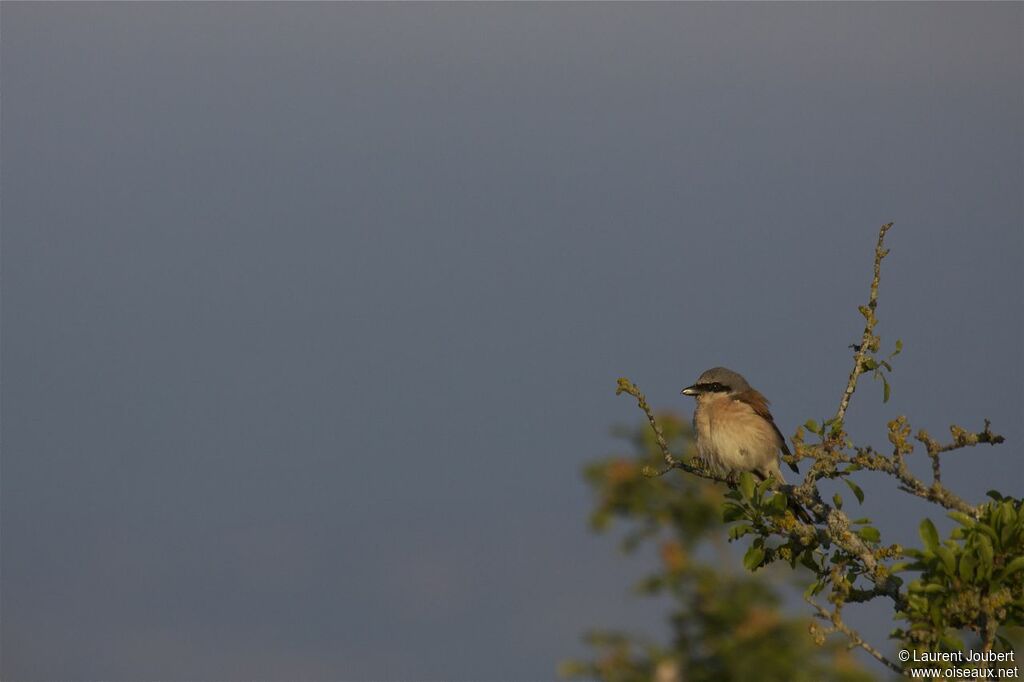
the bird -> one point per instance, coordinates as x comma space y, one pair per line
735, 430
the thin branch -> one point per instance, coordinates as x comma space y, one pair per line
627, 386
868, 342
962, 438
838, 625
988, 634
896, 467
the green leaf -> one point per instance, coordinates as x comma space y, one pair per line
862, 520
948, 560
968, 563
870, 534
837, 500
985, 556
856, 490
777, 505
1014, 566
886, 390
899, 348
995, 495
1007, 517
753, 558
747, 485
733, 512
987, 530
812, 426
807, 559
962, 519
929, 535
739, 530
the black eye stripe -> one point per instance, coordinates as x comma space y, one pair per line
714, 387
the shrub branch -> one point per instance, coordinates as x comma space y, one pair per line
853, 562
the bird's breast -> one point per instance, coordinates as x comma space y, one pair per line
732, 437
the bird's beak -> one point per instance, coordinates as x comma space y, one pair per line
690, 390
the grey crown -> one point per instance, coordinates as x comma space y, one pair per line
726, 377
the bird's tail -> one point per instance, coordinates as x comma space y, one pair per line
798, 511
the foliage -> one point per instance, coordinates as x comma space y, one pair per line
726, 623
970, 587
974, 581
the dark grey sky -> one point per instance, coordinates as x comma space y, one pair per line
313, 312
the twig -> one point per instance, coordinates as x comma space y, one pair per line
899, 436
627, 386
855, 639
868, 341
894, 466
962, 438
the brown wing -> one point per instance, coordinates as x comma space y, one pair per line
760, 406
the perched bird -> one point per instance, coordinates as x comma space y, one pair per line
735, 431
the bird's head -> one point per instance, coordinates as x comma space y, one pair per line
717, 382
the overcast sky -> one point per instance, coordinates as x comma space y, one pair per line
312, 313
